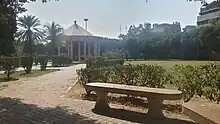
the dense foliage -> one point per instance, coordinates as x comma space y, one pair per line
53, 32
203, 80
200, 80
9, 64
58, 61
27, 63
43, 59
143, 42
99, 62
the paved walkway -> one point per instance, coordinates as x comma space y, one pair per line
39, 100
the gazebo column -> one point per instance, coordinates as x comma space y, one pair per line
58, 49
68, 49
89, 49
98, 49
84, 50
79, 51
95, 49
71, 47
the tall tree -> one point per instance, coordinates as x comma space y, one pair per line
54, 31
29, 32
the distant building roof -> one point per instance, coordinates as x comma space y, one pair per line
76, 30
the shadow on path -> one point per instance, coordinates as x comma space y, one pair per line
139, 117
135, 102
14, 111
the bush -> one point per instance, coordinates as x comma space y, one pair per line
27, 63
140, 75
61, 61
187, 79
99, 62
152, 76
211, 81
125, 74
95, 62
201, 80
83, 78
43, 59
9, 64
36, 61
113, 62
137, 75
117, 54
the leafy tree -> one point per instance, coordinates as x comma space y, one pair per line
29, 32
133, 48
8, 13
53, 32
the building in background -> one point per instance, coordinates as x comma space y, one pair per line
189, 28
209, 12
167, 28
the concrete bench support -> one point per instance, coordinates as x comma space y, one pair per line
101, 102
155, 108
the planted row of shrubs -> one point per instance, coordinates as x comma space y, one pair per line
98, 62
201, 80
9, 64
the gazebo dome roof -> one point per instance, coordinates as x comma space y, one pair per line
76, 30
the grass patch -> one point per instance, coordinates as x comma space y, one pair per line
23, 74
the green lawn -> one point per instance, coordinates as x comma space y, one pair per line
22, 74
169, 64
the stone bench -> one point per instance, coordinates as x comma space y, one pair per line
202, 112
155, 96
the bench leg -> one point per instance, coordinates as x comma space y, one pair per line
155, 108
101, 102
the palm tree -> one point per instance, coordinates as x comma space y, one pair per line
29, 32
53, 32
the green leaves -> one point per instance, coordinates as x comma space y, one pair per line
201, 80
9, 64
137, 75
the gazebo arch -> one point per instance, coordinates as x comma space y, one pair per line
80, 42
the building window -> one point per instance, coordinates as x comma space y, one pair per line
203, 22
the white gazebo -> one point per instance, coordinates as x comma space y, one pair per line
80, 43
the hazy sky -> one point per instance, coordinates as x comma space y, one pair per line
106, 16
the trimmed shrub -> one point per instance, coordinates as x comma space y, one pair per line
43, 59
211, 81
117, 54
99, 62
93, 62
61, 61
203, 80
113, 62
151, 76
27, 63
124, 74
9, 64
187, 79
36, 61
137, 75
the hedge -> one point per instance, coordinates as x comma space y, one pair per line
61, 61
138, 75
27, 63
43, 59
9, 64
203, 80
98, 62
